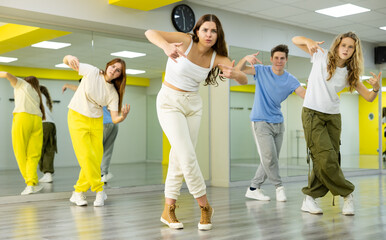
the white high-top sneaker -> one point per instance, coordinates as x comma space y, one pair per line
280, 194
257, 194
100, 199
47, 178
78, 198
348, 205
311, 206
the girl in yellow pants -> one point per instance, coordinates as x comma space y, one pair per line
27, 128
85, 121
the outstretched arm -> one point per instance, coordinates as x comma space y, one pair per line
171, 42
230, 71
306, 44
12, 79
251, 59
374, 82
69, 86
116, 118
300, 91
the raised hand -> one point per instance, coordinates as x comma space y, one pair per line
228, 71
173, 51
375, 81
125, 110
252, 59
313, 46
73, 62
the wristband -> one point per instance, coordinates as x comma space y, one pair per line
375, 91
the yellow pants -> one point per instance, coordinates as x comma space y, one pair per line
27, 140
87, 140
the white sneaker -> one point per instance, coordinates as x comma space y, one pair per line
256, 194
78, 198
107, 177
100, 199
311, 206
47, 178
348, 205
32, 189
280, 194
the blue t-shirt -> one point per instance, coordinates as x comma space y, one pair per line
106, 116
270, 91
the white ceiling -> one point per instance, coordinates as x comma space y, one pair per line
302, 13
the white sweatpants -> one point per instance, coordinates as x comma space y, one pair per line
179, 114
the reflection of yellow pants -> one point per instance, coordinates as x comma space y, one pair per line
27, 140
87, 140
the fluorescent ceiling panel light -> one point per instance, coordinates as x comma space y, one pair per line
7, 59
61, 65
128, 54
342, 10
383, 28
51, 45
365, 77
303, 84
134, 71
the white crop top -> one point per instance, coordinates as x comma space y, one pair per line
186, 75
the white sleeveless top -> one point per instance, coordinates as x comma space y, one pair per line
186, 75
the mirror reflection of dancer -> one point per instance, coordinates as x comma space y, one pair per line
85, 121
27, 128
331, 72
49, 148
273, 86
110, 132
192, 59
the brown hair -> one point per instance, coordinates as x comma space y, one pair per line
354, 64
119, 82
280, 48
34, 82
220, 46
45, 92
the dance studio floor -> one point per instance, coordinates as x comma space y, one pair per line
129, 214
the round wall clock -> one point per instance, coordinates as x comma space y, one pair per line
183, 18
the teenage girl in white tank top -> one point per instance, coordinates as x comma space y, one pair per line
192, 58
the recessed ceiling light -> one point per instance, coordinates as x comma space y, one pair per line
134, 71
342, 10
51, 45
7, 59
61, 65
383, 28
128, 54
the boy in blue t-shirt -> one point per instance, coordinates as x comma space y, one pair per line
273, 86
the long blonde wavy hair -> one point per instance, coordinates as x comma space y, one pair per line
354, 64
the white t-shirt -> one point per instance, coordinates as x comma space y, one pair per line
49, 117
93, 93
26, 98
322, 95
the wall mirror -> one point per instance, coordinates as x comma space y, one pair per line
357, 153
137, 153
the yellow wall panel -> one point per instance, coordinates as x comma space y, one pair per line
15, 36
144, 5
42, 73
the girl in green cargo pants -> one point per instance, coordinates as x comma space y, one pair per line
331, 72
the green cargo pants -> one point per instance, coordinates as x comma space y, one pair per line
322, 133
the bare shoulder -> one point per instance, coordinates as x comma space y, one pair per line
222, 60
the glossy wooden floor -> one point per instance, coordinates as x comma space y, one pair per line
136, 216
